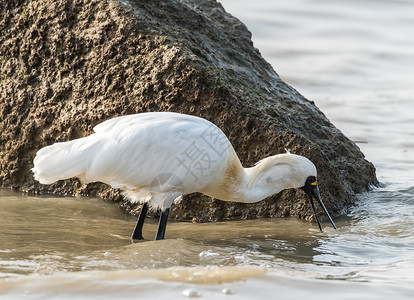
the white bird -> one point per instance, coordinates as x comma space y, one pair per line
155, 158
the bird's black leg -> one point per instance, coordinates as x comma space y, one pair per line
162, 224
137, 234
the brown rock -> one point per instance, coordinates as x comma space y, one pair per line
67, 65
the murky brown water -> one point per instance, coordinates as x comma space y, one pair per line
63, 247
355, 59
43, 235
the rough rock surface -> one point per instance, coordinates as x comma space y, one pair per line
67, 65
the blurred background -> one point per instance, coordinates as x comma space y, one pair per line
355, 59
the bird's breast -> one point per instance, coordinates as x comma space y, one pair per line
227, 186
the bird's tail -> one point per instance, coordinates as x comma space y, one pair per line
62, 160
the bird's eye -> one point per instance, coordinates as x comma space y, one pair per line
311, 179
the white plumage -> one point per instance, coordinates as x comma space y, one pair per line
158, 157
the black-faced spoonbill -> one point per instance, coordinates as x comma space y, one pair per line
155, 158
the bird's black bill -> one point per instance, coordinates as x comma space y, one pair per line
311, 189
315, 193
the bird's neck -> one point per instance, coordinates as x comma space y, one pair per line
259, 184
249, 185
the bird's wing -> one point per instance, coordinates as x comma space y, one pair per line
147, 150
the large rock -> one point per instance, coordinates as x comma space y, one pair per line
68, 65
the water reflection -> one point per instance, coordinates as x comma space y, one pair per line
380, 232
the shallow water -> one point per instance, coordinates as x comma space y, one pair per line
54, 247
355, 59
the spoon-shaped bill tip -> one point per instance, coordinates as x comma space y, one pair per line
316, 194
312, 191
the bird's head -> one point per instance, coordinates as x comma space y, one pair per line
283, 171
312, 191
303, 175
